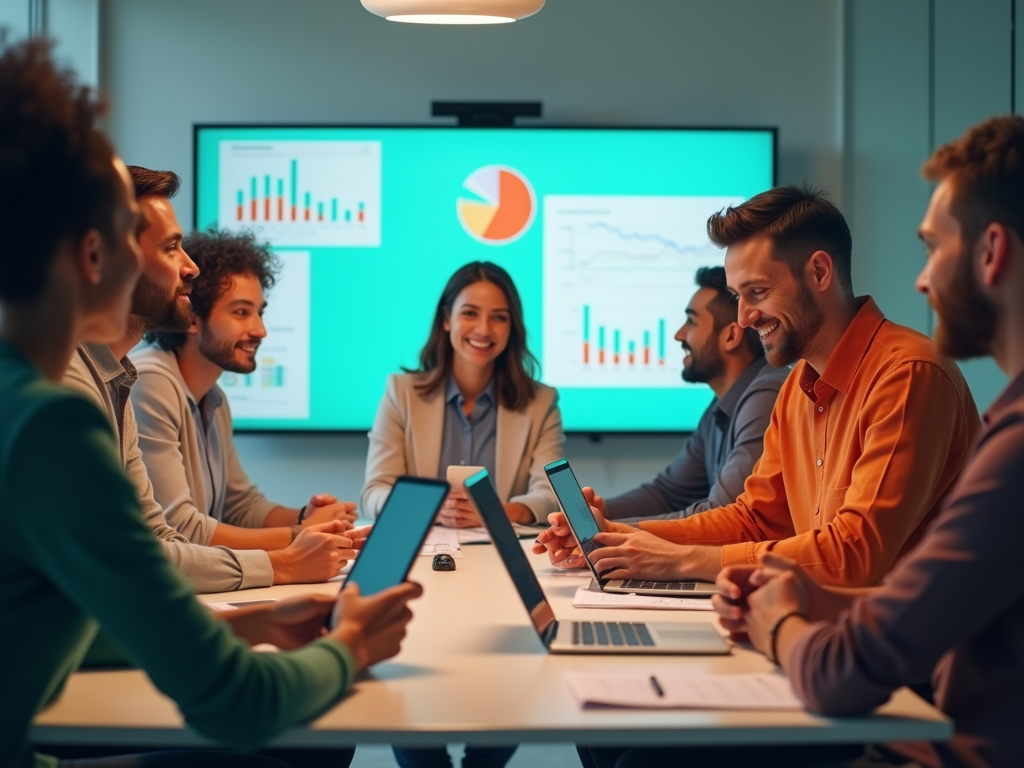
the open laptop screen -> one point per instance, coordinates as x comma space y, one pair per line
576, 509
481, 491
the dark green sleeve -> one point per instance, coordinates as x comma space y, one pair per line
97, 551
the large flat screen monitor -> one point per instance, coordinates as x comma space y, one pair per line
602, 230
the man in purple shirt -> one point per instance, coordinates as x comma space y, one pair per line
952, 612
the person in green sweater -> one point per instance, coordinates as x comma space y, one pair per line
75, 552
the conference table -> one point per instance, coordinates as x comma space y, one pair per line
473, 670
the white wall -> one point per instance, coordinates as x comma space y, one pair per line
642, 62
861, 91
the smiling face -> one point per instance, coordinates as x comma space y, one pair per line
772, 300
231, 335
699, 339
161, 299
967, 318
479, 325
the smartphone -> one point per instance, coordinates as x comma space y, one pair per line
397, 536
458, 474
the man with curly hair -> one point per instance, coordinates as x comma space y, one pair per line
184, 418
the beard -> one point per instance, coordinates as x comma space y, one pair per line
704, 365
967, 317
793, 341
153, 311
222, 354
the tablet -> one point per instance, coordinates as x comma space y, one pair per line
396, 538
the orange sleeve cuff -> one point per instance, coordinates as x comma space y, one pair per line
744, 553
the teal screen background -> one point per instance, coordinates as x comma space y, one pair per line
371, 308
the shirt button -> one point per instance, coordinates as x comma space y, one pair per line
821, 409
818, 462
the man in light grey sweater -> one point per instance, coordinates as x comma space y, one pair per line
105, 374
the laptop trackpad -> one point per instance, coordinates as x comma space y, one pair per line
690, 637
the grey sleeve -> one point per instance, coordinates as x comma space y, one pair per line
683, 483
209, 569
750, 422
159, 423
244, 505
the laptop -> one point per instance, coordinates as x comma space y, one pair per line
581, 636
396, 538
585, 528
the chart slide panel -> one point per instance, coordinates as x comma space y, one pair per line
302, 193
279, 387
503, 209
618, 274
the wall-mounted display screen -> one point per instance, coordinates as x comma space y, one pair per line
602, 231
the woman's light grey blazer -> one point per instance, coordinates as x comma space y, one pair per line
406, 440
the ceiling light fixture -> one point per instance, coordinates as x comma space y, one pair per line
453, 11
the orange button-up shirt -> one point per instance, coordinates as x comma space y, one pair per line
856, 461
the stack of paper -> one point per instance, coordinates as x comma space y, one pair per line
754, 691
482, 536
441, 541
586, 597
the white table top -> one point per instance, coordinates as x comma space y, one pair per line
473, 670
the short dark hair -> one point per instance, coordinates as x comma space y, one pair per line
798, 221
515, 370
986, 168
220, 256
57, 169
147, 182
724, 307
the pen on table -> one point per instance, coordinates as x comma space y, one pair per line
657, 687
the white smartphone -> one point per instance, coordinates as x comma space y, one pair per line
458, 474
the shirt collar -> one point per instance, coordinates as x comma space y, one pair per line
452, 393
849, 353
108, 366
727, 404
1010, 397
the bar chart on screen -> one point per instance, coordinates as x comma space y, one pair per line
279, 387
305, 194
618, 273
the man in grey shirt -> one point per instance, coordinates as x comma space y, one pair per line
717, 459
106, 375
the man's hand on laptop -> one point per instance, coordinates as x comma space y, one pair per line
560, 543
637, 554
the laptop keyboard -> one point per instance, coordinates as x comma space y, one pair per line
675, 586
611, 633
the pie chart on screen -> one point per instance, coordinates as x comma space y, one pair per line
504, 206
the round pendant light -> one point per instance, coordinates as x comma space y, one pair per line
453, 11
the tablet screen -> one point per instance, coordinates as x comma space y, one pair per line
575, 506
398, 534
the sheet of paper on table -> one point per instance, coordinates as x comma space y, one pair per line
481, 536
750, 691
589, 597
441, 541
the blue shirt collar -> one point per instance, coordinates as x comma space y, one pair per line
452, 393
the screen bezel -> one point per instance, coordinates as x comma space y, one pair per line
197, 128
562, 465
407, 480
542, 616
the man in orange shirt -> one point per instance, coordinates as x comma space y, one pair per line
868, 433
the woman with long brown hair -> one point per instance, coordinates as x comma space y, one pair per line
474, 400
